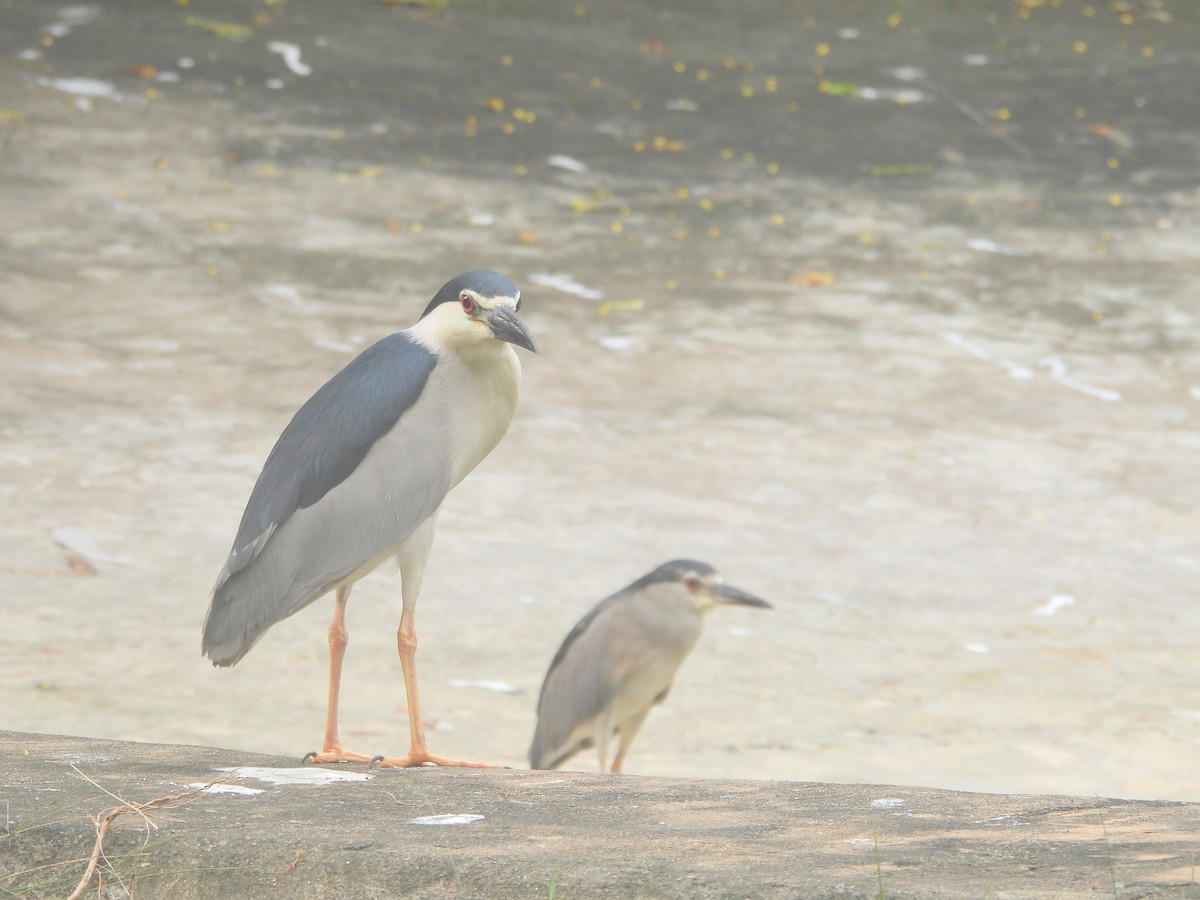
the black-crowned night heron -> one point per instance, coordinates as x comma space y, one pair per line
620, 659
358, 475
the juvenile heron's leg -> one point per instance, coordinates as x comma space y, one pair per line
629, 730
331, 746
602, 736
413, 556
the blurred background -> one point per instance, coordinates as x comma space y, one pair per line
888, 310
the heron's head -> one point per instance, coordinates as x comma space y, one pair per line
703, 585
475, 307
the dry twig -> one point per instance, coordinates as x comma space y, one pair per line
105, 821
295, 862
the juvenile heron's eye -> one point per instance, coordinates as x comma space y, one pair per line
468, 303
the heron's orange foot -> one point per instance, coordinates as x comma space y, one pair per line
419, 758
334, 754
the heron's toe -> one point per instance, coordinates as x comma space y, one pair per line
335, 755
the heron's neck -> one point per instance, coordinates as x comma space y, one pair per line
485, 387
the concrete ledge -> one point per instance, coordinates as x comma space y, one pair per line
556, 834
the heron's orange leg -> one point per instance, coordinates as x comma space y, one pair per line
331, 746
418, 753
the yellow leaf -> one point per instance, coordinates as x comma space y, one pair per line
631, 305
813, 278
228, 30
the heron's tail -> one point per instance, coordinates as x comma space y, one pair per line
239, 614
228, 636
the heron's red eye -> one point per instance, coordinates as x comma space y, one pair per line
468, 303
692, 583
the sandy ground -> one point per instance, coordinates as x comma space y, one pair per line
930, 384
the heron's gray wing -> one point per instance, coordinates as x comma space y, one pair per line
573, 635
582, 683
329, 436
354, 472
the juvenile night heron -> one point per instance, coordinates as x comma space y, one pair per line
620, 660
357, 478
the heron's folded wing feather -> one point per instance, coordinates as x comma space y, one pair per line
329, 436
579, 686
353, 473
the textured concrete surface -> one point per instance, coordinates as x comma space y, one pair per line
553, 834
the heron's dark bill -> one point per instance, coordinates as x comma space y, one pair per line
727, 593
507, 326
